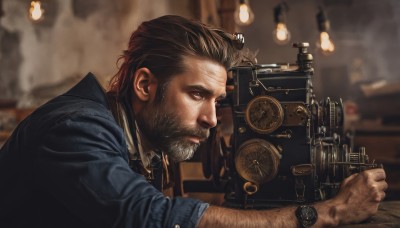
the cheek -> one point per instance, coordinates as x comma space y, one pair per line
186, 109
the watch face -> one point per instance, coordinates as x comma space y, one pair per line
307, 215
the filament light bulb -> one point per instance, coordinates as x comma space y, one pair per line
36, 11
326, 43
244, 15
281, 34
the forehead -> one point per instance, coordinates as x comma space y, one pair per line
202, 71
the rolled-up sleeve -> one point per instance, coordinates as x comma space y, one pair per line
81, 161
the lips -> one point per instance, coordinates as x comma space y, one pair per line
196, 139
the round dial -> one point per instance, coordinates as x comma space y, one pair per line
264, 114
257, 161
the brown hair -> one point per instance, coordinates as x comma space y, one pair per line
161, 45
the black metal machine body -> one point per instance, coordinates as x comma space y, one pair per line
286, 147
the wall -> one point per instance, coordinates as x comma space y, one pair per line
80, 36
74, 38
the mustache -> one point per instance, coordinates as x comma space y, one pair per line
169, 123
164, 128
202, 133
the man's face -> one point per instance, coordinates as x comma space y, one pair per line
182, 120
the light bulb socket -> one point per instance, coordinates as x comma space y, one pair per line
322, 21
1, 8
280, 12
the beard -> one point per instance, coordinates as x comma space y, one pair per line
164, 131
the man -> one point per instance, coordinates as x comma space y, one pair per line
75, 163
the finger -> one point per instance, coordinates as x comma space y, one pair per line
349, 178
383, 195
379, 196
378, 174
374, 174
382, 185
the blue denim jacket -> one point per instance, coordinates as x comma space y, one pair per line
66, 165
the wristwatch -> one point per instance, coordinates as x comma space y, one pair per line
306, 215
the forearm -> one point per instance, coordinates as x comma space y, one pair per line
281, 217
227, 217
357, 200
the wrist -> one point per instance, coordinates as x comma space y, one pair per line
329, 213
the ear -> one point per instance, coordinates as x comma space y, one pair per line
144, 84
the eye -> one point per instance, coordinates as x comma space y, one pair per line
197, 95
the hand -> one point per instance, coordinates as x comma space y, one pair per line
360, 195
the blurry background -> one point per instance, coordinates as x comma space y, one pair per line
43, 57
74, 37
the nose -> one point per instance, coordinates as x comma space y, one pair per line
208, 116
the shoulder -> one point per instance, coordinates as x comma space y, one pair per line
76, 125
67, 108
74, 119
87, 100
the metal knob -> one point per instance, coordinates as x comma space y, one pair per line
238, 41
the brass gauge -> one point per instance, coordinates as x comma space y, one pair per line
264, 114
257, 161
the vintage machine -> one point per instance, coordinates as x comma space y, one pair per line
286, 146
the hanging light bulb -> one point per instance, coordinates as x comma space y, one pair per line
280, 34
325, 42
243, 14
36, 11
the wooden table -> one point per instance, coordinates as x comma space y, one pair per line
387, 216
